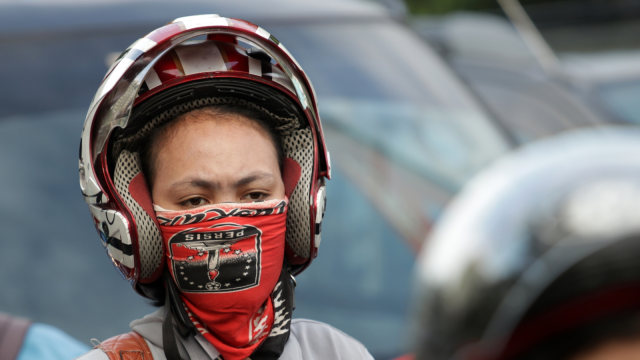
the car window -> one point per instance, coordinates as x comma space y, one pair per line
621, 99
372, 60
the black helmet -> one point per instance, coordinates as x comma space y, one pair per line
539, 255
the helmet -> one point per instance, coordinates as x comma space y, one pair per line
538, 255
192, 62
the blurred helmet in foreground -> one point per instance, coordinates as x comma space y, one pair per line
539, 256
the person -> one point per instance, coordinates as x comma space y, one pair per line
537, 257
203, 163
22, 339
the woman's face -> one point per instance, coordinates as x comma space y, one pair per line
204, 158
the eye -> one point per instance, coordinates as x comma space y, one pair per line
255, 196
193, 202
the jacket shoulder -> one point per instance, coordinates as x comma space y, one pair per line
316, 340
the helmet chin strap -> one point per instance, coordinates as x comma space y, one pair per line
176, 318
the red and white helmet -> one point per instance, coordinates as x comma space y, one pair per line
192, 62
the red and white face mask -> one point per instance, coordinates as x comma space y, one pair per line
226, 259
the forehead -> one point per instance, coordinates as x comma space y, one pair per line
220, 120
215, 144
227, 135
223, 117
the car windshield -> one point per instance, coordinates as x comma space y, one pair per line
403, 133
376, 60
382, 92
443, 145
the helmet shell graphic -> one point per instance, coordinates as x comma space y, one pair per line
189, 63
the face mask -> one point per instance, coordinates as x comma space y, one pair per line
226, 259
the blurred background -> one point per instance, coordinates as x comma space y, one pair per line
415, 97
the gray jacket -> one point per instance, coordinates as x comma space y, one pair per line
309, 340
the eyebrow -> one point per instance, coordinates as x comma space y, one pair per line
208, 184
258, 175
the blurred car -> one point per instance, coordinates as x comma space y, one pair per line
598, 52
610, 81
585, 81
522, 92
405, 133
